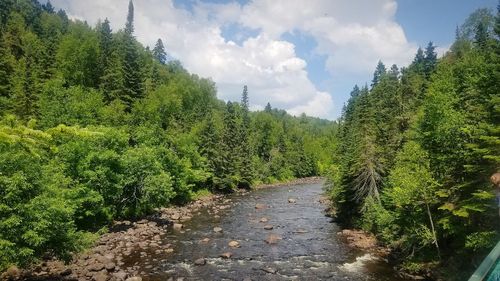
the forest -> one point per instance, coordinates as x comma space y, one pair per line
416, 149
95, 127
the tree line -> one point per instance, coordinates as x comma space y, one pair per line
416, 149
96, 127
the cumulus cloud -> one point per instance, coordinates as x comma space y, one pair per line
353, 35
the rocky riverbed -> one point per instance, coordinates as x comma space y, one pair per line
104, 261
275, 231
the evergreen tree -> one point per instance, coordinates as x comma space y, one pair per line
430, 59
24, 85
268, 108
394, 72
246, 108
112, 82
481, 36
7, 63
129, 25
159, 52
48, 7
246, 154
231, 144
419, 61
380, 71
105, 41
132, 70
210, 143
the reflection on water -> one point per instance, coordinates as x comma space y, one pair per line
306, 245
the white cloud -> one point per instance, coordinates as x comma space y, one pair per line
353, 35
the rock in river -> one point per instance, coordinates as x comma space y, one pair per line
260, 206
234, 244
217, 229
226, 255
273, 239
270, 270
292, 200
268, 227
200, 261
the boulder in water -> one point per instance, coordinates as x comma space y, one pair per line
200, 261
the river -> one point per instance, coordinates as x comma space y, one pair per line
305, 247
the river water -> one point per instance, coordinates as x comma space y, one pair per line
309, 248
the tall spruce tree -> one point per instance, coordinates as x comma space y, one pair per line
268, 108
380, 71
159, 52
430, 60
231, 144
129, 25
481, 36
132, 69
246, 172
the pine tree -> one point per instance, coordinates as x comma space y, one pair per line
48, 7
246, 107
496, 28
159, 52
112, 82
210, 149
129, 25
380, 71
268, 108
265, 142
7, 62
132, 72
481, 36
105, 46
419, 61
394, 72
246, 153
105, 40
24, 93
430, 60
231, 144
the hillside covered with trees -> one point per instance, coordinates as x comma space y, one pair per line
417, 148
95, 127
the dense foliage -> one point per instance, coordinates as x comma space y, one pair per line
417, 148
95, 127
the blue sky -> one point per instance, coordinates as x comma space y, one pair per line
302, 56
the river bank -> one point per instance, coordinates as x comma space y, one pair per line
105, 260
